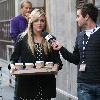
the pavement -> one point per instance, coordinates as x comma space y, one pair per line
6, 89
7, 93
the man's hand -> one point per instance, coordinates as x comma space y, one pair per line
56, 45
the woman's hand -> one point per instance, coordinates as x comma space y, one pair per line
12, 68
56, 68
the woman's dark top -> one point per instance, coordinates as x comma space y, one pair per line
31, 86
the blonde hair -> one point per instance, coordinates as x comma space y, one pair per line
36, 13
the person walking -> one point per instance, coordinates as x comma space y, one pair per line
86, 53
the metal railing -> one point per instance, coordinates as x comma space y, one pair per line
63, 95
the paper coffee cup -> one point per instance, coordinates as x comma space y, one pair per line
39, 64
29, 65
49, 64
19, 65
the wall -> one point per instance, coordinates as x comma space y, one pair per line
61, 16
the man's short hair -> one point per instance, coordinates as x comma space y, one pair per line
89, 9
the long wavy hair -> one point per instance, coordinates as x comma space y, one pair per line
44, 44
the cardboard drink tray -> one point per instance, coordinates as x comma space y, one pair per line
44, 70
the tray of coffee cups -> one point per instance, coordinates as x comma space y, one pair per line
38, 68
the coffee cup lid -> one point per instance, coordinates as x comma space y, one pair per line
49, 62
18, 63
28, 63
39, 61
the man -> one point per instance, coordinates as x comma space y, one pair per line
86, 53
19, 23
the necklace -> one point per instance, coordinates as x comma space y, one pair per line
38, 47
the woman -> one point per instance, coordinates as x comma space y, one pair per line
32, 47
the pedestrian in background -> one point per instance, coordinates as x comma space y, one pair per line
20, 22
32, 47
86, 53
